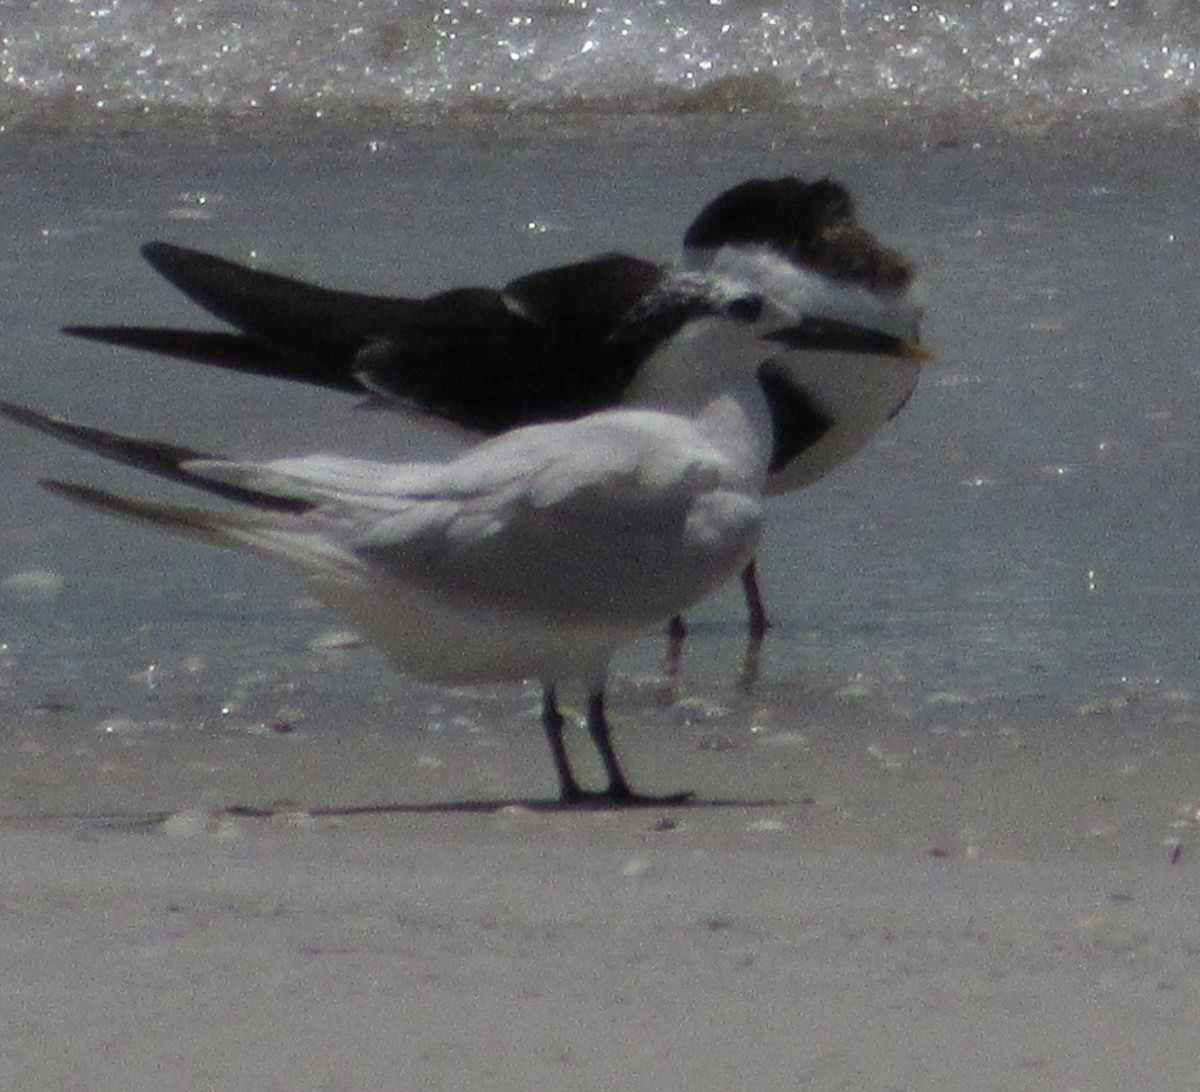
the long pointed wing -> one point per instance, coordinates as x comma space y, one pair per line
289, 329
623, 517
485, 359
233, 351
169, 461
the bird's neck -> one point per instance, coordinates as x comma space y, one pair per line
738, 422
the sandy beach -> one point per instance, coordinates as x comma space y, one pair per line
520, 950
855, 900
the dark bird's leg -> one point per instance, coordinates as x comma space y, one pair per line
597, 724
759, 623
619, 791
676, 632
569, 791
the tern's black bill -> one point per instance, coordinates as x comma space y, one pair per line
812, 335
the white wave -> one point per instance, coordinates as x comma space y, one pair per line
71, 63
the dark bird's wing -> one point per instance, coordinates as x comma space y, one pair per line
485, 359
539, 349
287, 328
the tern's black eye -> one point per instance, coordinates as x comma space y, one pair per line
745, 308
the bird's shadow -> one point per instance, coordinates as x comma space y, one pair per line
538, 804
152, 819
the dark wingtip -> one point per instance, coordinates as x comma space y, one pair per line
23, 415
190, 344
135, 337
105, 501
16, 412
158, 253
89, 333
84, 493
174, 262
813, 223
146, 454
157, 457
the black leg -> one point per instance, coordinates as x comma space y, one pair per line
619, 791
676, 632
597, 723
569, 791
759, 623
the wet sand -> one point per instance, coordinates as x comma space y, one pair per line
852, 900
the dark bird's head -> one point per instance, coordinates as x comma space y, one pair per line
812, 224
825, 303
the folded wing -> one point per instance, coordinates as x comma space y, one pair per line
620, 519
485, 359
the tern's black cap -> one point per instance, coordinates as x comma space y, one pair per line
813, 223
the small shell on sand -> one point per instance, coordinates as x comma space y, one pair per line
33, 582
